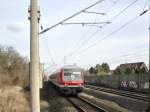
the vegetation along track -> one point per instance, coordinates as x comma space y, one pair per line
82, 105
119, 92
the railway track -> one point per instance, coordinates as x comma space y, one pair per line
82, 105
119, 92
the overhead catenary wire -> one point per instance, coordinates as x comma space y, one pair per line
93, 25
131, 57
47, 29
146, 4
90, 12
79, 42
114, 17
49, 52
123, 10
84, 34
47, 47
86, 23
93, 34
122, 56
112, 33
129, 54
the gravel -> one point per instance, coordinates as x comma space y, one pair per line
128, 103
54, 101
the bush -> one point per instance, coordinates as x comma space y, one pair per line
13, 68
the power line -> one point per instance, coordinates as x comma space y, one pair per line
112, 33
47, 47
47, 29
126, 55
114, 17
84, 35
109, 35
43, 31
85, 23
90, 12
49, 52
123, 10
81, 38
93, 34
146, 4
116, 59
114, 3
82, 43
93, 25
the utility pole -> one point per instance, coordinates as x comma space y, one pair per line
34, 57
41, 75
148, 107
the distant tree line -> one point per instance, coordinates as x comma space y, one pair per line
102, 69
14, 69
126, 68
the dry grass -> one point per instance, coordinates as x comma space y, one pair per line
13, 99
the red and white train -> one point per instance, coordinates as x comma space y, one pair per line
68, 79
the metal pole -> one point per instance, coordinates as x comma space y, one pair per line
149, 61
34, 57
148, 106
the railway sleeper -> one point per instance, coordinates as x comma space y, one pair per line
71, 90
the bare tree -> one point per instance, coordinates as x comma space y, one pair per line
13, 67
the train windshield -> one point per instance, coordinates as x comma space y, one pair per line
72, 75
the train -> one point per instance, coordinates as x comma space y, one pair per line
69, 79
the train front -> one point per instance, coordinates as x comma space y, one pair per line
73, 80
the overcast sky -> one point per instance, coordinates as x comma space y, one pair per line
130, 44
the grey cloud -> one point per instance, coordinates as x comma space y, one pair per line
15, 28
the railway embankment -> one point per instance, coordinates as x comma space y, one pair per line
54, 101
105, 104
14, 99
17, 99
14, 76
133, 105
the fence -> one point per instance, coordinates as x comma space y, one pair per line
138, 81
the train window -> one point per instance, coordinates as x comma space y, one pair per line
70, 75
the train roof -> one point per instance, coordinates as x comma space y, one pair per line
66, 67
71, 67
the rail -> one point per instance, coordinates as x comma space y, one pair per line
83, 105
118, 92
